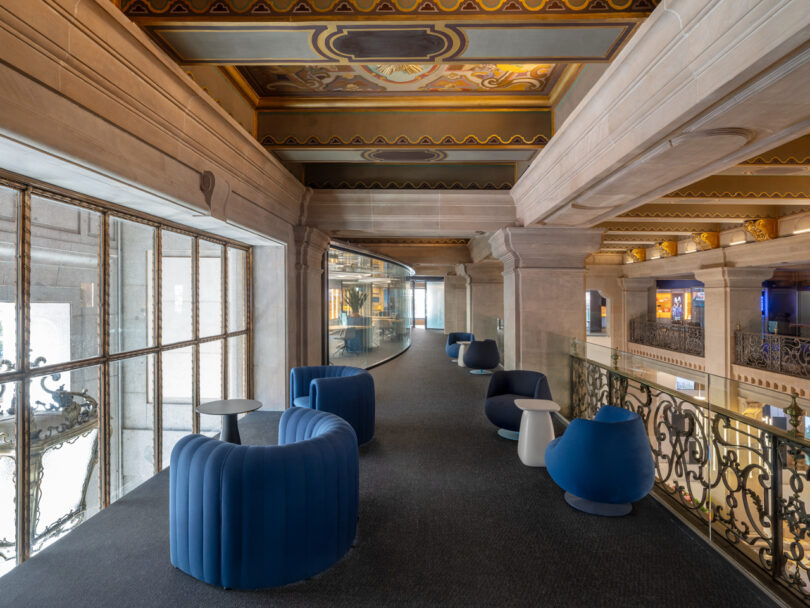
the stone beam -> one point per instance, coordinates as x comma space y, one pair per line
700, 87
410, 213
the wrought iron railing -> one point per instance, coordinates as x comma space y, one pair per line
781, 354
682, 338
741, 482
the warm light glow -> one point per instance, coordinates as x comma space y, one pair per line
802, 231
737, 242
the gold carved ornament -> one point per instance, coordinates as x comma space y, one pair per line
667, 249
763, 229
638, 255
706, 240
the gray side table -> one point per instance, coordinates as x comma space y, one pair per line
229, 409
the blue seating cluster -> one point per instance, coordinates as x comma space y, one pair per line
453, 339
246, 517
339, 389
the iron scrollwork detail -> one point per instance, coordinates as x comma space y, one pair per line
679, 337
776, 353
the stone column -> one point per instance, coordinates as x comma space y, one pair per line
638, 297
732, 299
455, 303
606, 279
310, 246
544, 297
484, 282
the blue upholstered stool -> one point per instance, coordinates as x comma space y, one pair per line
339, 389
603, 464
247, 517
453, 338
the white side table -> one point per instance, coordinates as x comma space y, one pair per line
462, 346
536, 430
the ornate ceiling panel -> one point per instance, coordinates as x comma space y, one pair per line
241, 43
382, 8
419, 80
783, 188
404, 155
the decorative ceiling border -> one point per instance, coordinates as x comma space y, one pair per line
404, 140
408, 241
705, 212
740, 194
347, 8
346, 184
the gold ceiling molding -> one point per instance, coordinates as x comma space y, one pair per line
659, 229
404, 140
796, 152
707, 212
409, 241
706, 240
747, 187
763, 229
366, 184
667, 249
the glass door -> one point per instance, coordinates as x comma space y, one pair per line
434, 305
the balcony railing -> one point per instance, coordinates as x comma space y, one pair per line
737, 480
687, 339
780, 354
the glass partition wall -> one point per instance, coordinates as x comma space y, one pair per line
113, 327
368, 308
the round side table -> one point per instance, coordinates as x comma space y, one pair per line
229, 409
536, 430
462, 346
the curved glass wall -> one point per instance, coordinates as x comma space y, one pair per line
367, 308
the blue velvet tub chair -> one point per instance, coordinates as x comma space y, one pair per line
504, 388
603, 464
249, 517
339, 389
482, 356
453, 338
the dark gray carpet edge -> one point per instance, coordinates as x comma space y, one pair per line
448, 517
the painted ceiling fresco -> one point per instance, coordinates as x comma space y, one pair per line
398, 79
438, 94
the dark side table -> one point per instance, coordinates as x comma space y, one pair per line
229, 409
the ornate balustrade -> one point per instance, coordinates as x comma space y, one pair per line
737, 480
688, 339
780, 354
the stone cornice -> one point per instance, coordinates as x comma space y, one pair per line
658, 119
734, 277
95, 58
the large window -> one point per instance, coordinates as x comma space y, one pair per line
368, 308
113, 328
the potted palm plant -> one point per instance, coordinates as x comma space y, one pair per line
354, 297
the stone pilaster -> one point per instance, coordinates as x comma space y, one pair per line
455, 303
484, 282
732, 299
310, 246
544, 297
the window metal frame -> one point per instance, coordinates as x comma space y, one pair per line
24, 372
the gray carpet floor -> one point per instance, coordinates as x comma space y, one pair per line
448, 517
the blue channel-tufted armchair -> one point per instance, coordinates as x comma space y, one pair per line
338, 389
453, 338
247, 517
504, 388
603, 464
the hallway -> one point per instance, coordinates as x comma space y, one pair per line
448, 517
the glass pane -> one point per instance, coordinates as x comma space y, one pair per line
176, 287
210, 383
64, 282
236, 289
64, 453
8, 280
132, 402
368, 308
434, 306
132, 248
8, 485
210, 287
177, 398
237, 379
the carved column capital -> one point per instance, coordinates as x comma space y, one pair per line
544, 247
310, 245
733, 277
